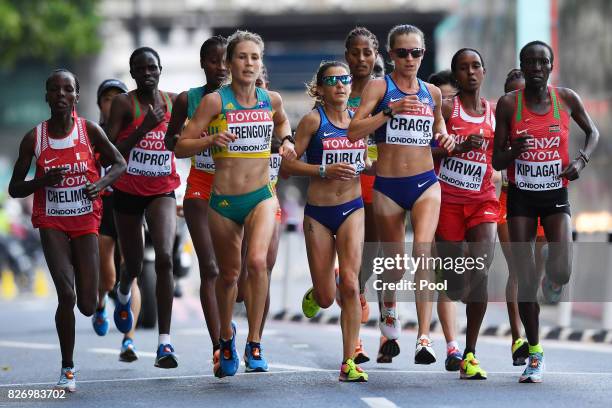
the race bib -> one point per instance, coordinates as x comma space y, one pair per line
67, 202
411, 130
204, 161
253, 129
461, 173
275, 163
340, 149
538, 176
149, 163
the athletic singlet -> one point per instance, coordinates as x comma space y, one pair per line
252, 126
353, 104
467, 177
538, 168
151, 168
329, 145
203, 160
275, 163
65, 206
406, 129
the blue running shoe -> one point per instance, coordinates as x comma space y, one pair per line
254, 360
454, 357
551, 294
166, 357
128, 351
67, 380
123, 316
100, 321
229, 363
535, 368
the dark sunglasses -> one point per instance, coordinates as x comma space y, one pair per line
414, 52
332, 80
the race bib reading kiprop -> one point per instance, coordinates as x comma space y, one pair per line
461, 173
411, 130
340, 149
253, 129
67, 202
538, 176
149, 163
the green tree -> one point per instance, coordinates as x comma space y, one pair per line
47, 29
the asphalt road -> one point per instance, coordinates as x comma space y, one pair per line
304, 360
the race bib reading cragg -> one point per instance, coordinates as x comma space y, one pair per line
411, 130
67, 202
538, 176
340, 149
253, 129
150, 158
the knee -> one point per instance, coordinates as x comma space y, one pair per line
349, 288
256, 265
163, 262
86, 307
66, 298
228, 279
209, 270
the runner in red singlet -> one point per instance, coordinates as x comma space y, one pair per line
67, 207
469, 209
531, 141
137, 126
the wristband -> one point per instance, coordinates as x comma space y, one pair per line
583, 156
288, 137
322, 171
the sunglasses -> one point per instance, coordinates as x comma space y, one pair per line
332, 80
414, 52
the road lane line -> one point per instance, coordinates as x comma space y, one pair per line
116, 352
27, 345
379, 403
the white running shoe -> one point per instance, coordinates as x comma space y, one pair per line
424, 353
389, 323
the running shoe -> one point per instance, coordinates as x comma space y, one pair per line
535, 368
254, 361
351, 372
453, 359
100, 321
229, 360
123, 316
389, 323
128, 351
551, 291
387, 350
424, 353
520, 352
166, 357
471, 370
365, 308
360, 356
309, 305
67, 380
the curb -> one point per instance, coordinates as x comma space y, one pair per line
546, 332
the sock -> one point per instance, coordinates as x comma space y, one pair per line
123, 299
164, 339
424, 336
68, 364
216, 347
537, 348
452, 345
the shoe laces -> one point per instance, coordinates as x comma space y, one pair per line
123, 314
256, 352
534, 362
452, 350
424, 342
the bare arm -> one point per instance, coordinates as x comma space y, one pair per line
363, 124
177, 120
502, 154
584, 121
109, 154
439, 152
18, 186
282, 127
191, 141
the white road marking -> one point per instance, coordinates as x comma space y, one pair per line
379, 403
300, 346
26, 345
